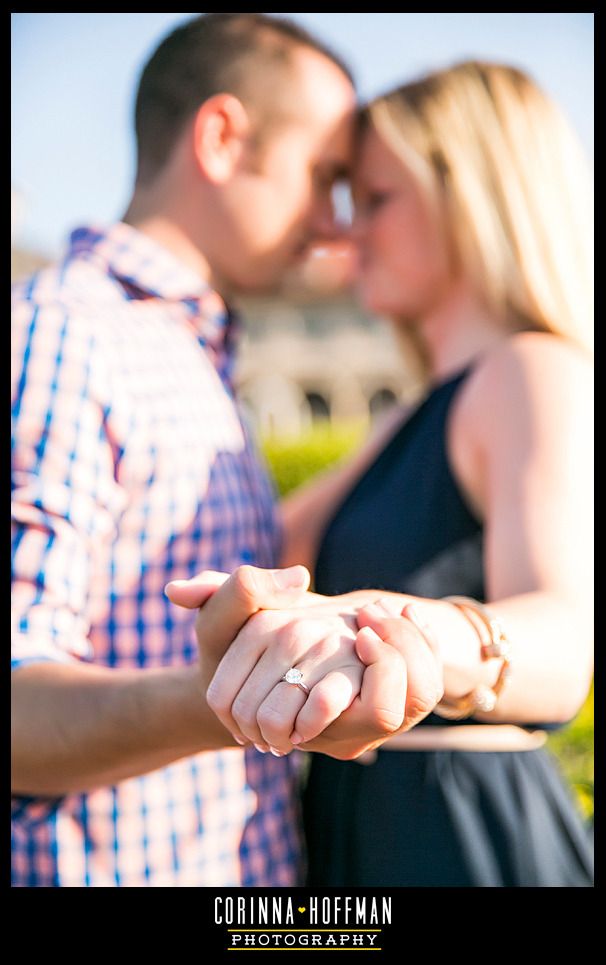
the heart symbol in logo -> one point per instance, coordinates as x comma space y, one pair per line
302, 909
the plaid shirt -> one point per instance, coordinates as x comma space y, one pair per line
130, 468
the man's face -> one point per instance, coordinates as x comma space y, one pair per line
281, 202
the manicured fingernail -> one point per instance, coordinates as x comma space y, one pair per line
238, 740
374, 610
261, 749
296, 738
290, 578
276, 753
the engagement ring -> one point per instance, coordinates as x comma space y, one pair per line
295, 677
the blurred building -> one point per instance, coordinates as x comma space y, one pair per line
309, 357
318, 359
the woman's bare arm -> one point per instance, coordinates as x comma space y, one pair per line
522, 446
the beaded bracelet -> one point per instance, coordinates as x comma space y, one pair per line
493, 643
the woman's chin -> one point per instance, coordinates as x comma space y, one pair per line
375, 304
369, 298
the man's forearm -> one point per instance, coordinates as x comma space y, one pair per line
78, 727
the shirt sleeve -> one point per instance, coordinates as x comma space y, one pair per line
66, 501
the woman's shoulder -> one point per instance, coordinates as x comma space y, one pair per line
532, 386
537, 357
528, 370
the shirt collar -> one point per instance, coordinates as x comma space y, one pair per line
148, 269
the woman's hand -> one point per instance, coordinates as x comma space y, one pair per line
386, 676
401, 685
252, 701
346, 669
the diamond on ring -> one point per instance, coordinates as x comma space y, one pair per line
294, 676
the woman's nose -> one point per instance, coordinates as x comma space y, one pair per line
357, 228
323, 220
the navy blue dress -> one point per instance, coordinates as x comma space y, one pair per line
430, 818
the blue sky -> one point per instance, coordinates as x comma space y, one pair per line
74, 78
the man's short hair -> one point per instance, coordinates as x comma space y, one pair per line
248, 55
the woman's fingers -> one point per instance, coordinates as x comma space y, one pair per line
397, 686
252, 668
384, 684
378, 711
266, 708
276, 716
327, 700
231, 675
423, 667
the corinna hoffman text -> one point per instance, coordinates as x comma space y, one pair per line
337, 910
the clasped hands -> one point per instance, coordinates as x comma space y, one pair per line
372, 668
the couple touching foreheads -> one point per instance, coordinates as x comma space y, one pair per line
450, 623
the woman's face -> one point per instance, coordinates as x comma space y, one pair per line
403, 253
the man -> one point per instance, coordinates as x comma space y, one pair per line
131, 468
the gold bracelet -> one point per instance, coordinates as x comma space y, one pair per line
493, 643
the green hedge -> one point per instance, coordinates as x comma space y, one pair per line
293, 461
573, 747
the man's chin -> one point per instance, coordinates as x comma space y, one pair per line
279, 277
259, 286
275, 280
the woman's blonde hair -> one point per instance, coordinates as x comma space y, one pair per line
516, 184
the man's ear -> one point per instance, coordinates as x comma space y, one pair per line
221, 127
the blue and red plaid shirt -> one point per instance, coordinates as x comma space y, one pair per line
131, 468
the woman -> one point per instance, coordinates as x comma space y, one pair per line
472, 219
473, 226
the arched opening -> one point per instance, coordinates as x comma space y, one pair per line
272, 404
381, 400
318, 406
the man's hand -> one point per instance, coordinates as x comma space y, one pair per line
276, 634
368, 685
227, 602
